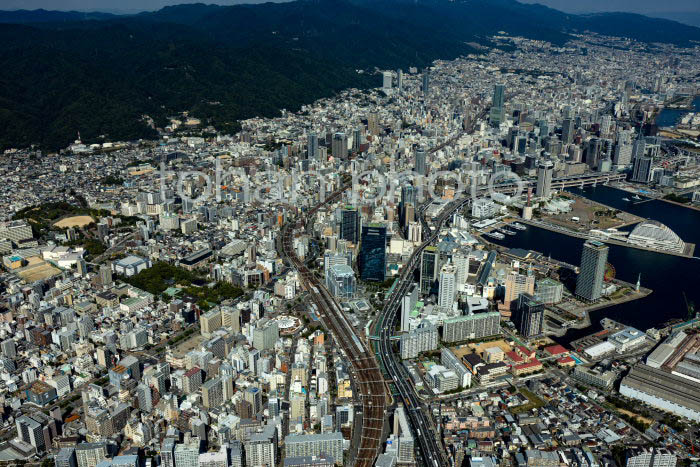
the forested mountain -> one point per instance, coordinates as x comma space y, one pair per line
99, 74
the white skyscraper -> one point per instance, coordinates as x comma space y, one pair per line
461, 261
446, 293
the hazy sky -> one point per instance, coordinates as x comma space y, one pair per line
573, 6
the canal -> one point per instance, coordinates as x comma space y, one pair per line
669, 117
670, 277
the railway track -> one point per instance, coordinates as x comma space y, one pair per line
370, 389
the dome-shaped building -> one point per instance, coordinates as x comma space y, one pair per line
653, 234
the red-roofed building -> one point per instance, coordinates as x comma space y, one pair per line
515, 358
526, 353
526, 368
555, 350
566, 362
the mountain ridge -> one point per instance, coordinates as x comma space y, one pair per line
100, 75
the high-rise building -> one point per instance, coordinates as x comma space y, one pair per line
594, 152
90, 454
472, 326
167, 453
589, 283
420, 162
254, 396
517, 284
339, 146
106, 275
265, 334
529, 318
314, 445
428, 269
36, 429
350, 224
261, 447
641, 171
407, 303
144, 396
447, 289
422, 339
340, 281
213, 393
497, 113
402, 433
544, 179
312, 146
399, 80
66, 458
9, 349
426, 81
387, 79
187, 453
460, 258
567, 131
372, 257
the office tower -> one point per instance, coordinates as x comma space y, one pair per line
106, 275
372, 258
593, 152
420, 162
407, 303
36, 429
373, 124
312, 146
357, 139
90, 454
387, 80
330, 444
231, 318
589, 283
144, 394
339, 146
623, 154
426, 81
409, 194
497, 113
544, 179
66, 458
518, 284
461, 261
9, 349
350, 224
213, 393
254, 396
254, 361
639, 147
447, 289
340, 281
529, 318
399, 80
641, 171
428, 269
265, 334
167, 453
567, 131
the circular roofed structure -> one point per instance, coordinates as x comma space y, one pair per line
655, 235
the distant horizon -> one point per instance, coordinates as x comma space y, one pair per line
645, 7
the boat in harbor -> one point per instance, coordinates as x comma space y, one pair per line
518, 226
496, 235
637, 197
625, 199
506, 231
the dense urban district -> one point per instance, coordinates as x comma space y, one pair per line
328, 288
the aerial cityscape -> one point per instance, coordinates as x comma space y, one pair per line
488, 258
